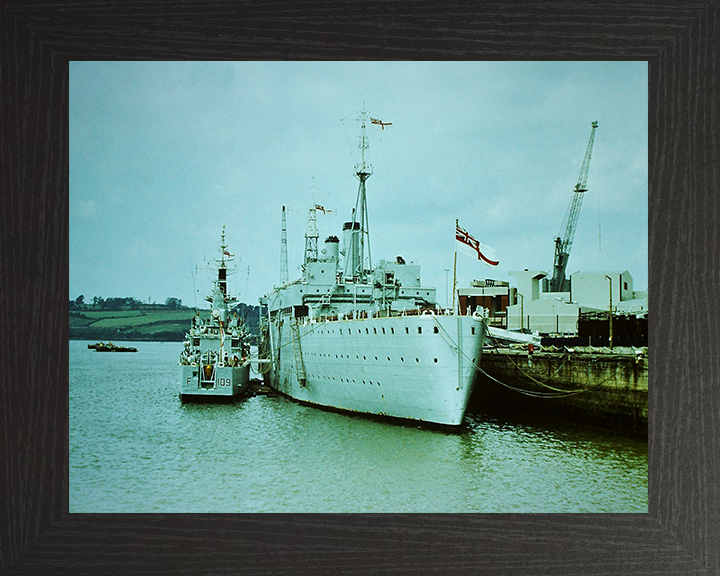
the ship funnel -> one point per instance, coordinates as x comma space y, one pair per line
351, 241
332, 246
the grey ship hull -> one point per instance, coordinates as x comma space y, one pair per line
221, 382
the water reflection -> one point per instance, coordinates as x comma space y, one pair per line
135, 448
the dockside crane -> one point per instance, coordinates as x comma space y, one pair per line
559, 282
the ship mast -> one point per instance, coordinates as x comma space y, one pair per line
363, 171
311, 237
219, 298
222, 269
284, 276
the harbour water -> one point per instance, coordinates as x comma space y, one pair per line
134, 447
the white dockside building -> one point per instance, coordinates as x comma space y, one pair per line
530, 307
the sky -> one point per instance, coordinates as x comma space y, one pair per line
162, 154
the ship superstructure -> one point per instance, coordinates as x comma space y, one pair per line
215, 357
364, 338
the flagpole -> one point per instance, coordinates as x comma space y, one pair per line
455, 266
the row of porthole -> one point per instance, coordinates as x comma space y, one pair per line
357, 357
345, 380
367, 330
317, 290
392, 330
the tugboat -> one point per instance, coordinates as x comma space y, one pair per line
215, 360
110, 347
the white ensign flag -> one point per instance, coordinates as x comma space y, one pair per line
470, 246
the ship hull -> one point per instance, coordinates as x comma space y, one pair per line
413, 367
221, 383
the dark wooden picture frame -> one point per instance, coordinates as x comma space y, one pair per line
681, 532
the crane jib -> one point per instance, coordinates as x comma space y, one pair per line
559, 282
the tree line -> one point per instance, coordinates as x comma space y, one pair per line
127, 303
247, 312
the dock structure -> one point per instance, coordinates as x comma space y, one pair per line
605, 388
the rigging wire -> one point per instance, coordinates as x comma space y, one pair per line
555, 392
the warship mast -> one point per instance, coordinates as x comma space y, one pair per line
363, 171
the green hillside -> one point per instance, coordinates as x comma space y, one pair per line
137, 325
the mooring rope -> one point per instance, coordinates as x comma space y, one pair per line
556, 392
544, 384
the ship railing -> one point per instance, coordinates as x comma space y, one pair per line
355, 315
364, 314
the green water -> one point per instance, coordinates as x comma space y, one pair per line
135, 448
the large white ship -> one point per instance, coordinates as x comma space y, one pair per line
367, 339
214, 362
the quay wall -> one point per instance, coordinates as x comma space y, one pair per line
605, 389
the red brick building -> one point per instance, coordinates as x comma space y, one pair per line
493, 295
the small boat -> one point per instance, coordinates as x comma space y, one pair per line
110, 347
214, 362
